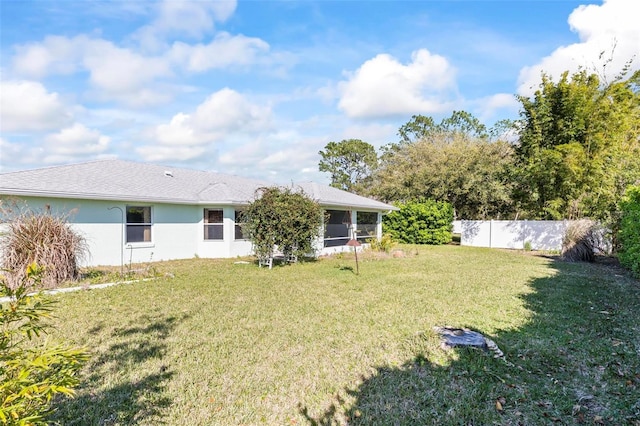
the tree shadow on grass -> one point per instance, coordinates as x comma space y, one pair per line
124, 382
574, 362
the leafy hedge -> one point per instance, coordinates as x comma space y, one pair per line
420, 222
629, 254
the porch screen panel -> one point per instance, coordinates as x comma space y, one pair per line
336, 232
367, 223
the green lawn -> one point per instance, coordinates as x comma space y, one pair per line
220, 343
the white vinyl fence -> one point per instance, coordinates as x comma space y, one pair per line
513, 234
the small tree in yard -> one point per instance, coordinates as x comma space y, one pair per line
31, 372
41, 237
284, 218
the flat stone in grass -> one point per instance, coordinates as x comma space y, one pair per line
452, 337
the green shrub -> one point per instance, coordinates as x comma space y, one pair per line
420, 222
31, 374
629, 235
384, 244
281, 217
41, 237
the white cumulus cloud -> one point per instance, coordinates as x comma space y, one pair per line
278, 155
229, 111
225, 114
77, 141
487, 107
611, 27
124, 75
28, 106
180, 131
383, 86
129, 76
10, 154
190, 19
193, 17
54, 55
224, 50
115, 73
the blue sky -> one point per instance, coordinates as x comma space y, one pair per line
257, 88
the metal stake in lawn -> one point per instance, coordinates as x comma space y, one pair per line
355, 244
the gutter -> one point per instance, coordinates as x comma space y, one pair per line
102, 197
182, 201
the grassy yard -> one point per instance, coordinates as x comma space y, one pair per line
221, 343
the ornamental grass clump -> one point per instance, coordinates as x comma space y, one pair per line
41, 237
580, 241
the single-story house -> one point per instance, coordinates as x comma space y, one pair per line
139, 212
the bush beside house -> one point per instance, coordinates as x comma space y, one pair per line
282, 218
629, 254
420, 222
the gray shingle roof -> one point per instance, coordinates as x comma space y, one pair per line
132, 181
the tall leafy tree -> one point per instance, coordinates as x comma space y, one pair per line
350, 163
456, 161
460, 123
579, 145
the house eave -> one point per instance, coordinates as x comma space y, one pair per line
361, 207
110, 197
166, 200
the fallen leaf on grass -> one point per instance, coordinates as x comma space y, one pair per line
500, 403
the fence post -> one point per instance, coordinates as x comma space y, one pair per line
491, 233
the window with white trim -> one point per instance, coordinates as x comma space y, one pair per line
138, 224
213, 224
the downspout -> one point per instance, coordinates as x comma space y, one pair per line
121, 238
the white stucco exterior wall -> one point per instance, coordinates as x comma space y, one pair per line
177, 231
